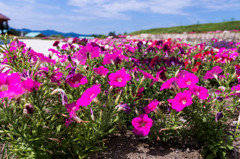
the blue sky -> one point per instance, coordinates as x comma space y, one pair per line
103, 16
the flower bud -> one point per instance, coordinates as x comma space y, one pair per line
63, 95
29, 109
92, 115
118, 97
123, 107
110, 89
219, 116
238, 123
95, 100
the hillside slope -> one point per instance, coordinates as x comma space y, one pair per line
232, 25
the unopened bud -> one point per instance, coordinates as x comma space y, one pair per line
137, 112
28, 109
95, 100
143, 78
37, 64
118, 97
238, 123
92, 114
110, 89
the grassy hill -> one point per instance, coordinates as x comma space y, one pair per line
190, 28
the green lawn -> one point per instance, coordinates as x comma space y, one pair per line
190, 28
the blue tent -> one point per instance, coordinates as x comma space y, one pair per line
86, 37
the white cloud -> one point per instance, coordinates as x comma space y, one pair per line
118, 9
26, 1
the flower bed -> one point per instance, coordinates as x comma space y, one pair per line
67, 103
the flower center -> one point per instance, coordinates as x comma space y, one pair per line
92, 95
184, 102
189, 82
119, 79
4, 87
143, 124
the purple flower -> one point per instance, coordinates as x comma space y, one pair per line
218, 116
173, 61
71, 73
64, 97
29, 109
123, 107
56, 43
77, 80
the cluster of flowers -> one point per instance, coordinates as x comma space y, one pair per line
142, 69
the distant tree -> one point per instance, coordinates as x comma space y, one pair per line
102, 36
112, 33
99, 36
125, 33
14, 32
57, 36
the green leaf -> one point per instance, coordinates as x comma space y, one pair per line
215, 150
230, 147
58, 128
211, 156
5, 150
230, 139
224, 153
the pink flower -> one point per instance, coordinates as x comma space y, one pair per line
30, 84
119, 78
92, 50
151, 106
81, 56
182, 73
55, 78
77, 80
64, 46
181, 100
213, 73
236, 90
187, 80
109, 58
10, 86
44, 58
101, 70
160, 75
71, 109
168, 83
89, 95
142, 124
146, 75
199, 91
